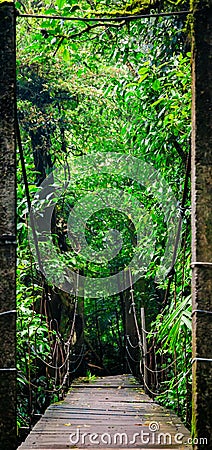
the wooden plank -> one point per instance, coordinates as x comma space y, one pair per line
104, 414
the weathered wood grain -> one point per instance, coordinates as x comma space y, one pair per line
113, 408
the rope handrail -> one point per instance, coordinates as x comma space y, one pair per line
201, 311
163, 369
167, 390
131, 357
68, 372
131, 345
12, 311
51, 366
201, 359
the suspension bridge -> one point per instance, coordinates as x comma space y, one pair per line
109, 412
110, 405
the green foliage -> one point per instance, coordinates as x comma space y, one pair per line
89, 377
112, 88
171, 325
32, 343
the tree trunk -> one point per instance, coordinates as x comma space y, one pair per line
201, 221
7, 228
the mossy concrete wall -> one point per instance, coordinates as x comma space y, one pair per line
7, 228
202, 219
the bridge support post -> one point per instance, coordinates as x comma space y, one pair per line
202, 221
7, 228
145, 370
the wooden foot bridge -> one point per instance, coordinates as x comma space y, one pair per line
110, 412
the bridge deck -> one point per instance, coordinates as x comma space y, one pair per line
111, 412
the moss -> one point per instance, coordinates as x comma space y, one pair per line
132, 8
196, 5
